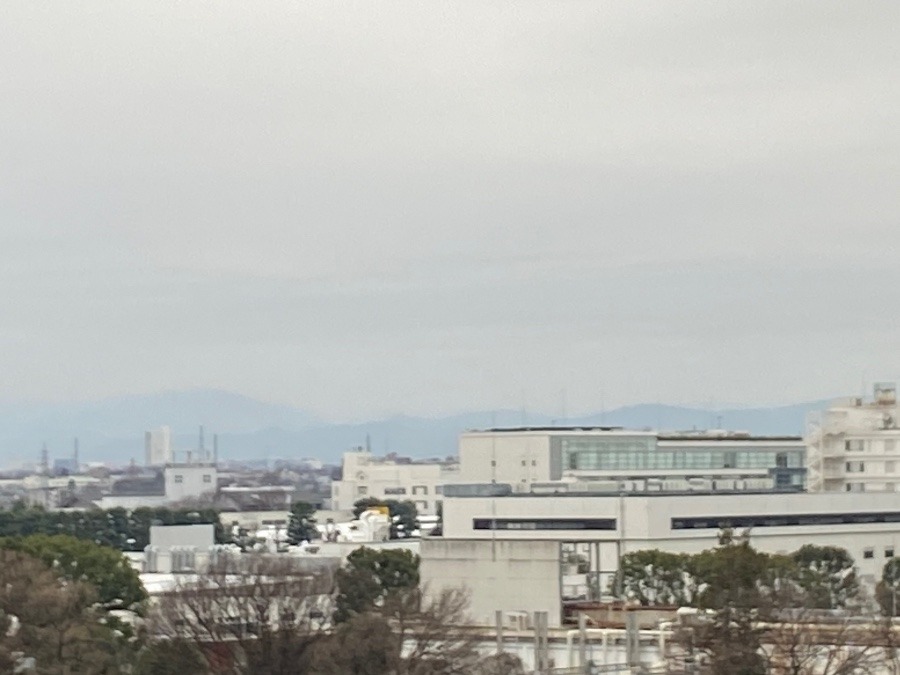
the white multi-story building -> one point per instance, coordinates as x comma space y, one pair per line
158, 447
565, 548
364, 475
854, 445
186, 481
610, 459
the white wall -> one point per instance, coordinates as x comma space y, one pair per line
644, 522
520, 458
511, 576
872, 432
184, 481
130, 502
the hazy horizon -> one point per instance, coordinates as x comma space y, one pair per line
367, 209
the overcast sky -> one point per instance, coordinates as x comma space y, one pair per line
374, 207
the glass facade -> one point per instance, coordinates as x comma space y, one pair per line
640, 453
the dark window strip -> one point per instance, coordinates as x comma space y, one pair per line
784, 520
544, 523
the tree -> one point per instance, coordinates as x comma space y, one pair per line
888, 588
250, 613
827, 575
654, 577
171, 657
363, 645
811, 644
302, 523
412, 634
730, 591
116, 528
117, 585
53, 621
373, 579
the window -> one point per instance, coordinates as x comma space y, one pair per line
544, 524
890, 445
868, 553
421, 506
420, 490
207, 478
889, 552
179, 478
785, 520
854, 445
439, 490
362, 490
855, 467
395, 490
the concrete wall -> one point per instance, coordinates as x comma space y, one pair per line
521, 458
184, 481
168, 536
131, 502
511, 576
644, 522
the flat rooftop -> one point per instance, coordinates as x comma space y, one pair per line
698, 435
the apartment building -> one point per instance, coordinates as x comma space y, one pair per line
854, 445
365, 475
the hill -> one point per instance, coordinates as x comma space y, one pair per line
113, 430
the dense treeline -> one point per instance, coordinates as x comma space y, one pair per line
819, 577
760, 613
60, 606
117, 528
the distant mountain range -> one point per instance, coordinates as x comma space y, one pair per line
113, 430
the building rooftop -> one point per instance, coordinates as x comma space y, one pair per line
691, 435
504, 490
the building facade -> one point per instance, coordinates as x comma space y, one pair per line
364, 475
565, 548
854, 445
186, 481
158, 447
611, 459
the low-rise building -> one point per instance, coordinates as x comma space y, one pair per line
364, 475
179, 548
565, 548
